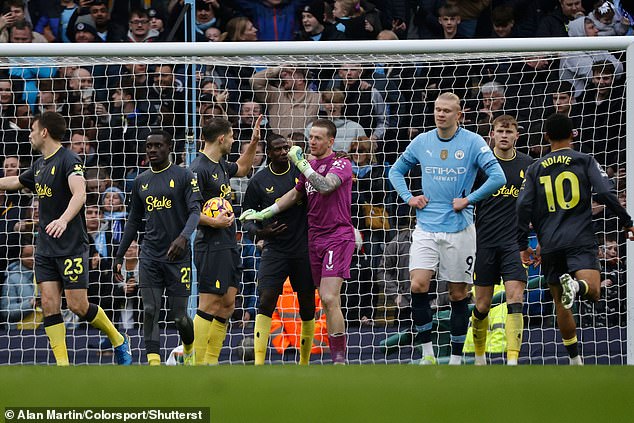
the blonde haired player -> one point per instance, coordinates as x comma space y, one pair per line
497, 251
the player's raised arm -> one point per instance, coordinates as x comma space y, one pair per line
246, 159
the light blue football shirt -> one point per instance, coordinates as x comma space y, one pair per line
449, 168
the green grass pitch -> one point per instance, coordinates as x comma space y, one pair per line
381, 393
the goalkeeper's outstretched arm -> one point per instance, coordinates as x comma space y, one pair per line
285, 202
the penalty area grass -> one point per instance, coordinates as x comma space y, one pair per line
356, 393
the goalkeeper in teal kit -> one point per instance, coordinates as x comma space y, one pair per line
444, 241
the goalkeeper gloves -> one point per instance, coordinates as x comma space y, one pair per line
296, 155
267, 213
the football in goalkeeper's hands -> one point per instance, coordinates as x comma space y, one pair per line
214, 206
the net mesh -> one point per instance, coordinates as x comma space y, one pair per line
379, 102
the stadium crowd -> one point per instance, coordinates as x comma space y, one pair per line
377, 108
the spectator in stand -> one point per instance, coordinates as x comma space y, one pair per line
141, 81
393, 272
469, 12
29, 220
53, 24
85, 33
363, 103
235, 78
101, 290
125, 133
291, 106
371, 222
7, 99
603, 117
608, 21
11, 166
564, 103
355, 22
17, 294
563, 98
81, 145
80, 93
206, 18
208, 85
275, 19
493, 103
214, 34
97, 180
527, 15
10, 216
98, 15
21, 32
577, 67
613, 288
113, 204
14, 12
372, 189
556, 24
167, 102
209, 14
15, 131
209, 108
314, 28
426, 25
157, 23
332, 102
449, 19
130, 287
526, 83
140, 31
49, 100
243, 128
241, 29
503, 21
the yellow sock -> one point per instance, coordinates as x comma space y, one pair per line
57, 338
217, 335
201, 336
480, 328
188, 348
306, 341
261, 337
104, 324
513, 329
154, 359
